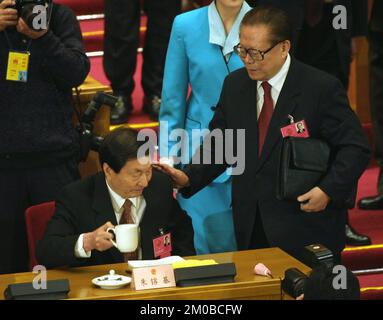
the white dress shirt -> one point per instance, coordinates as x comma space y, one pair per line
276, 83
137, 211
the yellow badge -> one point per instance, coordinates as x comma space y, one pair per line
18, 66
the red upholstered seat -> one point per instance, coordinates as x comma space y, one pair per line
36, 219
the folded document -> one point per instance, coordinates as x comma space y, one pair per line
153, 263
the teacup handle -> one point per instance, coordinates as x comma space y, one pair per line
113, 231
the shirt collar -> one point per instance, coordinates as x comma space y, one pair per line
118, 201
278, 80
217, 30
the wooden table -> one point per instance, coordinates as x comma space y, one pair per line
246, 285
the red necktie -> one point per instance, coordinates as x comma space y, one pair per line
265, 116
127, 218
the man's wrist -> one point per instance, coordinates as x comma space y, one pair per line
87, 242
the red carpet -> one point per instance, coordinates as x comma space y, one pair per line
93, 34
369, 223
84, 7
137, 118
371, 286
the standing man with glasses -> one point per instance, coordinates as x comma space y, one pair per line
261, 98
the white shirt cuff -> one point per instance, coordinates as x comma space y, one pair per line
79, 251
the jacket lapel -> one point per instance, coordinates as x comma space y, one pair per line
287, 101
102, 205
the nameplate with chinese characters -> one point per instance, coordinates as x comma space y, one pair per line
153, 277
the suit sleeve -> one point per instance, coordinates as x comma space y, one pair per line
183, 234
175, 89
65, 60
359, 17
199, 172
57, 248
351, 153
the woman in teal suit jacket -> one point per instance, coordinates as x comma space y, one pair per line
200, 56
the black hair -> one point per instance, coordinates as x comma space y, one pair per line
274, 18
119, 146
320, 286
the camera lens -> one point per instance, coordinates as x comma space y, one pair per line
294, 281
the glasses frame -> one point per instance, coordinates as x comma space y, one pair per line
262, 53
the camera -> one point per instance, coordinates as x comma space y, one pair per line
89, 141
315, 255
294, 282
28, 10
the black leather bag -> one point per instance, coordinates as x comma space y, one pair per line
303, 162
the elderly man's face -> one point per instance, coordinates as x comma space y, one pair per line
258, 37
132, 179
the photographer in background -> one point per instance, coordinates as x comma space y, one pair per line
320, 286
38, 145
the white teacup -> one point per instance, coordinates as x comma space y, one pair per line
126, 237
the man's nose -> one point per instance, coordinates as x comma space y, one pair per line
144, 181
248, 59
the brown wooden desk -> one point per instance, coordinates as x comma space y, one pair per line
246, 285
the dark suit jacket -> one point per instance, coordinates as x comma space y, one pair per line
308, 94
86, 205
357, 15
376, 21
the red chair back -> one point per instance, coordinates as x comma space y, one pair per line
36, 220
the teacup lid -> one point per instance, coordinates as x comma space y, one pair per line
111, 280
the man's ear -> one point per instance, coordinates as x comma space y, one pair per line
286, 46
107, 170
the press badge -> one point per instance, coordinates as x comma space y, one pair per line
296, 129
18, 63
162, 246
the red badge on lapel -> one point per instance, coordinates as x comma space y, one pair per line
298, 129
162, 246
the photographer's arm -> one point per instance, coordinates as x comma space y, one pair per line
65, 60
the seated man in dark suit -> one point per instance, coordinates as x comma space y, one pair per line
77, 234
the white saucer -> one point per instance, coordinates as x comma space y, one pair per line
111, 281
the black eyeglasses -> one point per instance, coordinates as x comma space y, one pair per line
255, 54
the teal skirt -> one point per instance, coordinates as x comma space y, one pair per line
211, 213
